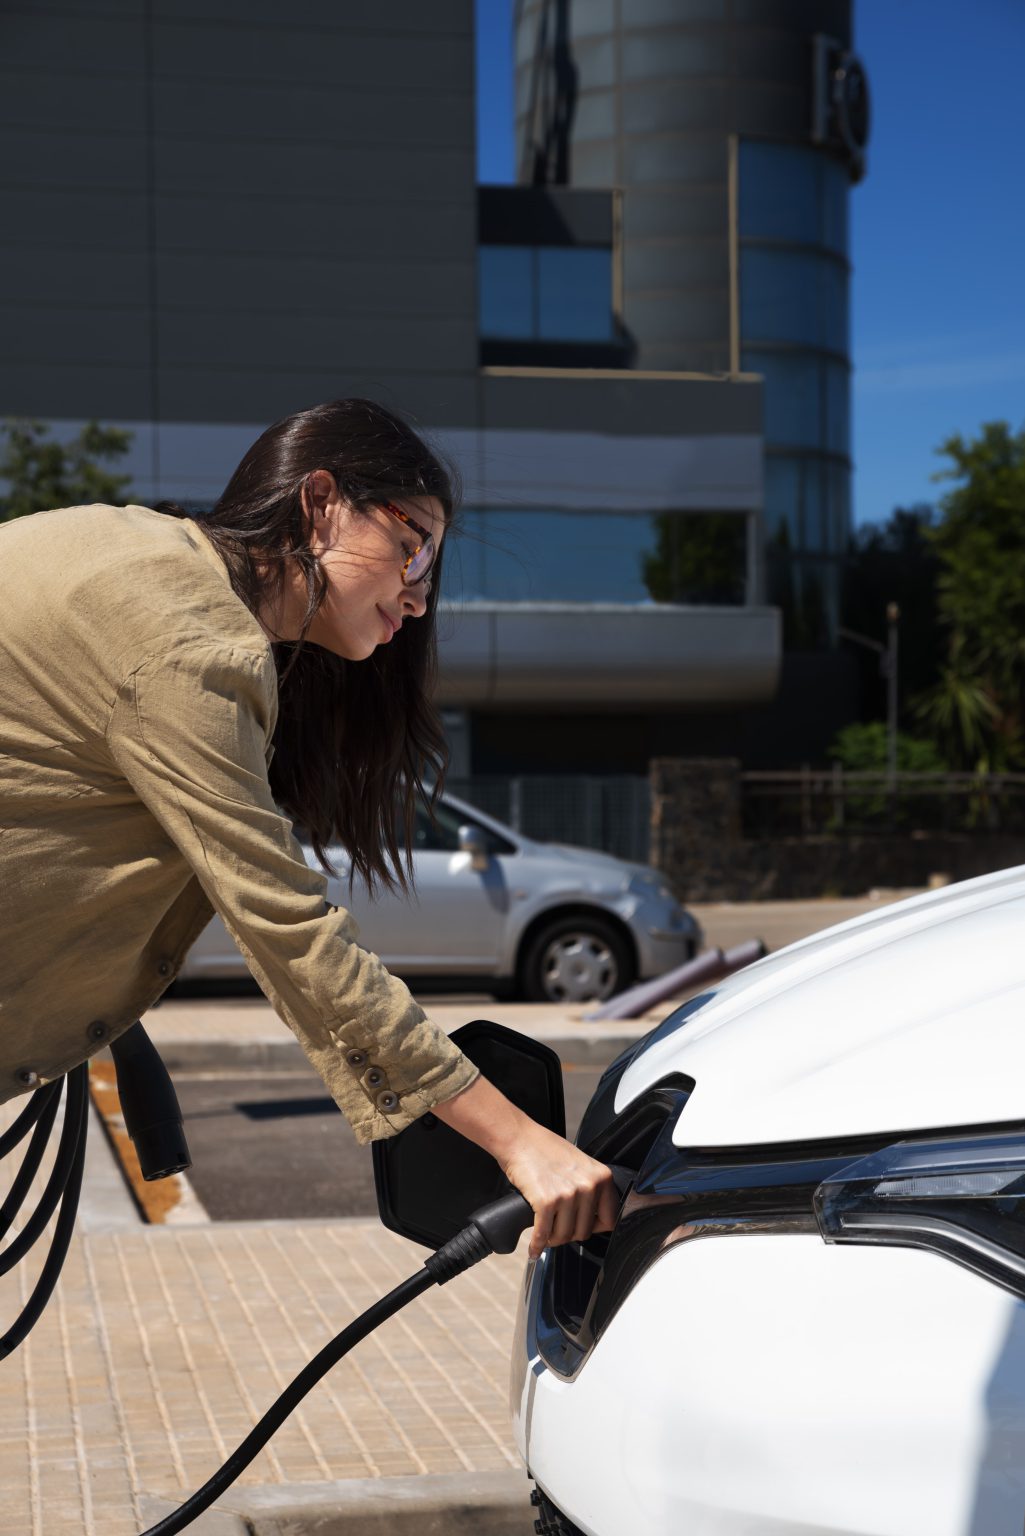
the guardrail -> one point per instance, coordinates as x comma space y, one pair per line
815, 801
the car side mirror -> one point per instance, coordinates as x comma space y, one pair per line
473, 841
430, 1179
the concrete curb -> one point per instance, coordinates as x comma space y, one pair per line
263, 1050
214, 1055
454, 1504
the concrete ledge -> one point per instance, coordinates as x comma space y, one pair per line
215, 1522
454, 1504
214, 1037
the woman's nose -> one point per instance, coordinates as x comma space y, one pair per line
414, 600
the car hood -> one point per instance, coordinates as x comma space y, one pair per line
605, 863
909, 1018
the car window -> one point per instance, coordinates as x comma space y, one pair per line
442, 835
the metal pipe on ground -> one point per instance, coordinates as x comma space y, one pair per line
711, 965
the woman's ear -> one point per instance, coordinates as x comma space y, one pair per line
320, 498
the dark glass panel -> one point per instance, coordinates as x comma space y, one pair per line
506, 278
574, 294
793, 404
538, 555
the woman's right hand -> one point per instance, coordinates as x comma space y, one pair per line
571, 1194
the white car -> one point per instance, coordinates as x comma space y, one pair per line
550, 923
809, 1318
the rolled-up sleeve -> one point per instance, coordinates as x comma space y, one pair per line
190, 732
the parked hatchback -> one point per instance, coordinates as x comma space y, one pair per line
810, 1317
542, 921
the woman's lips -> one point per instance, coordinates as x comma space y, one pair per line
393, 628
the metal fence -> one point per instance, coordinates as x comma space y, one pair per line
611, 812
831, 801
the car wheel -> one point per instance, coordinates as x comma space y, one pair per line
576, 960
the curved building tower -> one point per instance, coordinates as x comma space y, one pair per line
733, 130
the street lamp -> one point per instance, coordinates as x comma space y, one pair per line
887, 668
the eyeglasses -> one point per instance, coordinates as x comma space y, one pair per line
419, 564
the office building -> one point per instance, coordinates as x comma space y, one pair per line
216, 218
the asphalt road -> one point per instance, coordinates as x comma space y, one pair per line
274, 1146
270, 1146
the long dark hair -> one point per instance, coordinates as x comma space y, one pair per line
356, 742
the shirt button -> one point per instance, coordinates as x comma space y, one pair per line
97, 1030
375, 1078
164, 968
356, 1058
387, 1101
27, 1078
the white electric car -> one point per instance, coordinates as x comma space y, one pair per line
809, 1318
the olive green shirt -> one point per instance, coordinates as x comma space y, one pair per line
138, 699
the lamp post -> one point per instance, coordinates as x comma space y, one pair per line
888, 661
890, 671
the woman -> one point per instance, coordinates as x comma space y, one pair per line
165, 686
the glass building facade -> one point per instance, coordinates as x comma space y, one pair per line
794, 330
536, 554
539, 293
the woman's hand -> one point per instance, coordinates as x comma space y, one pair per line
570, 1193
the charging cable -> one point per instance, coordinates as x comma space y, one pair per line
495, 1228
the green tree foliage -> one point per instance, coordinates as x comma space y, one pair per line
895, 562
796, 589
864, 749
41, 473
975, 707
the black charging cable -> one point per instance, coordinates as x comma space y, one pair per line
495, 1228
152, 1117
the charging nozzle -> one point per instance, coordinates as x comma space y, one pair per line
149, 1104
494, 1228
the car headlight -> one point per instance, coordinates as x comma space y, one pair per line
959, 1196
653, 884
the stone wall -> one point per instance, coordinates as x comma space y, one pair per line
696, 839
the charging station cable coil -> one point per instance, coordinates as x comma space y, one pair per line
153, 1120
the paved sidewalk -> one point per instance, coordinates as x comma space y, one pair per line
163, 1345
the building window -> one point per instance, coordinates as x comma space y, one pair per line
541, 555
795, 296
794, 331
545, 293
506, 290
791, 193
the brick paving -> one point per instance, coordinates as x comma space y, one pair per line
163, 1345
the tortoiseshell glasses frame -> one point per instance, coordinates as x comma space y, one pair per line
420, 563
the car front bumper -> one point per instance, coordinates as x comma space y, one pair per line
770, 1383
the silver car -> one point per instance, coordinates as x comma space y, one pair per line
535, 920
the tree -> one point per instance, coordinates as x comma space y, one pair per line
865, 749
41, 473
980, 548
895, 562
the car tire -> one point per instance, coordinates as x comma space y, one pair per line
576, 959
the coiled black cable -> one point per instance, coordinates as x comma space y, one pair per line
64, 1185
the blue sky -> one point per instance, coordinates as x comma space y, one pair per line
938, 228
